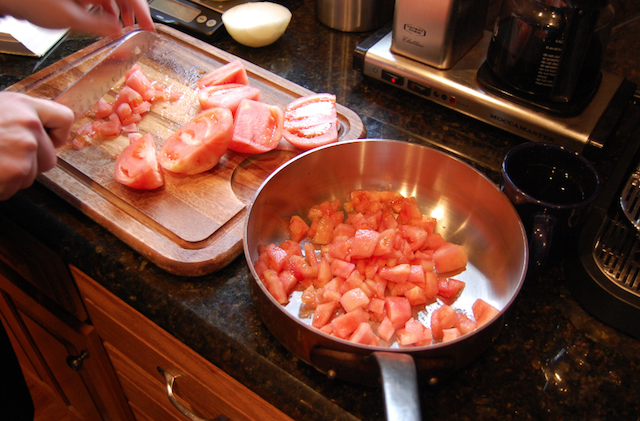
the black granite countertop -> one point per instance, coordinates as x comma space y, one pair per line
552, 359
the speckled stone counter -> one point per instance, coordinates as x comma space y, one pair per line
552, 360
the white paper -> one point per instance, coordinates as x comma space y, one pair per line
35, 39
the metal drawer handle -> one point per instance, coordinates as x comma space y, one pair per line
169, 379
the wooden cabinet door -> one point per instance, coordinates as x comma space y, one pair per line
63, 352
137, 347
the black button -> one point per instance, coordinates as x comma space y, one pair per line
419, 89
393, 78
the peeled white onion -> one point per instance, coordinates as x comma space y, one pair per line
256, 24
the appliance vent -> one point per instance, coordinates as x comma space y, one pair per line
617, 253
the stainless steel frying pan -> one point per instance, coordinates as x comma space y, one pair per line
471, 210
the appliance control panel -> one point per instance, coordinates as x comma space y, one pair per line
457, 88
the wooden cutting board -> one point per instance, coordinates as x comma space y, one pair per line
194, 224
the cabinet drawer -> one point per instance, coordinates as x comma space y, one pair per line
139, 346
149, 403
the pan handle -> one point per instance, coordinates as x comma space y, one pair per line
400, 385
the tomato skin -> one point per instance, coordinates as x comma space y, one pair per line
257, 127
137, 165
228, 96
233, 72
198, 145
311, 121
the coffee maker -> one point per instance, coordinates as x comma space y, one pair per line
536, 74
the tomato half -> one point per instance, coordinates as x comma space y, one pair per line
137, 165
227, 96
199, 144
233, 72
257, 127
311, 121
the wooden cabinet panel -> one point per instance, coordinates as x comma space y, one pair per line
152, 402
199, 384
39, 266
46, 336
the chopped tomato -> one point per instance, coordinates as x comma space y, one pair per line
311, 121
297, 228
110, 128
398, 310
101, 109
199, 144
345, 325
137, 165
137, 81
483, 311
227, 96
128, 95
367, 276
363, 334
450, 258
353, 299
233, 72
257, 127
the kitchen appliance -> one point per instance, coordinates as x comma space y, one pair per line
354, 15
548, 52
437, 33
604, 271
200, 18
460, 89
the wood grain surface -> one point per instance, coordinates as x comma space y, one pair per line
193, 225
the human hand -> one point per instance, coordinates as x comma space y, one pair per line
74, 14
30, 130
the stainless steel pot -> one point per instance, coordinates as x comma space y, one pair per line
472, 211
354, 15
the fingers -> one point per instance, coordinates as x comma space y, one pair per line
56, 121
56, 118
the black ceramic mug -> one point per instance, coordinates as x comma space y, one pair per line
550, 186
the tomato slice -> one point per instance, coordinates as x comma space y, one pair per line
199, 144
311, 121
233, 72
227, 96
257, 127
137, 165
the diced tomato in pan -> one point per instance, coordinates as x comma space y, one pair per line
398, 310
483, 312
298, 228
324, 313
346, 324
450, 258
363, 334
353, 299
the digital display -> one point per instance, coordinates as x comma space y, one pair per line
176, 9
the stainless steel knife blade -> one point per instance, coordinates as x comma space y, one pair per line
92, 86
